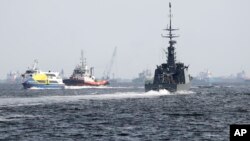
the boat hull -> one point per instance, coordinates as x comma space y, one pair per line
28, 85
169, 87
77, 82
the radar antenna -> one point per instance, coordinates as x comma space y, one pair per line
169, 28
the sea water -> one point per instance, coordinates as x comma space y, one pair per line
122, 112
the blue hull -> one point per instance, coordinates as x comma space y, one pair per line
42, 86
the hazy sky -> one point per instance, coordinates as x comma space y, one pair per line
214, 34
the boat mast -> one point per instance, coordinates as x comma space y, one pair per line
34, 66
83, 60
171, 49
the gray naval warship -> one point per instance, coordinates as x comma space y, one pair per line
172, 76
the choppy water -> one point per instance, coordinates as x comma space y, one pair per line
123, 112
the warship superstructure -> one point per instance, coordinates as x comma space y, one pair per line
172, 76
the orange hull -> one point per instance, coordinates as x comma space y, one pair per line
97, 83
77, 82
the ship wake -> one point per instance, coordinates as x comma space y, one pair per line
94, 87
29, 101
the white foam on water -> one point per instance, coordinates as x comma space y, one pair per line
131, 95
95, 87
184, 92
23, 101
166, 92
84, 87
14, 117
17, 101
160, 92
36, 88
4, 119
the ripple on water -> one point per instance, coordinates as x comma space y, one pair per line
122, 114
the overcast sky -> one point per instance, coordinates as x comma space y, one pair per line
214, 34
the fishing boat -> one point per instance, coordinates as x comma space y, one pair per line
84, 76
35, 78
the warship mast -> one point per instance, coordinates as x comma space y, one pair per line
171, 49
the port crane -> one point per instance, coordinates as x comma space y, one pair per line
106, 73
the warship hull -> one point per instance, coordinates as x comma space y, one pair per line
169, 87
